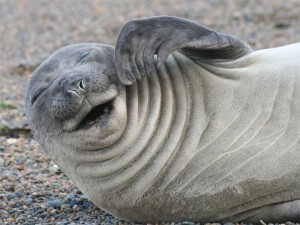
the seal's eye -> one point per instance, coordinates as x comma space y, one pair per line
37, 94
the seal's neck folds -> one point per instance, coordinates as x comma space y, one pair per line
163, 116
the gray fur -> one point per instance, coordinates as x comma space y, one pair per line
208, 131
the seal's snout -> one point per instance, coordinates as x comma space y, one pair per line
68, 98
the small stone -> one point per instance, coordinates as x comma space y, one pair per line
39, 211
12, 203
53, 211
187, 223
11, 141
10, 220
20, 160
10, 196
86, 204
19, 194
20, 219
78, 192
43, 215
69, 198
57, 216
10, 188
65, 206
34, 194
73, 202
53, 169
82, 199
62, 223
54, 204
68, 210
228, 223
28, 201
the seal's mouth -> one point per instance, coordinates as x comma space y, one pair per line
96, 111
98, 114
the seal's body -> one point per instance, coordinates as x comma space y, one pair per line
212, 134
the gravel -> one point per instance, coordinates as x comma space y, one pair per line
33, 193
33, 190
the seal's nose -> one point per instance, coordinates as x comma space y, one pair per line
78, 87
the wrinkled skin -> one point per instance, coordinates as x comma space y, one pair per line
176, 123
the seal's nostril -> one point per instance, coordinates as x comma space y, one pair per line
81, 84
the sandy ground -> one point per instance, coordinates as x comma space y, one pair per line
30, 30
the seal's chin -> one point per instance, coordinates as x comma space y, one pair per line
98, 115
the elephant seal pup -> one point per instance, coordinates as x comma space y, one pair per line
176, 123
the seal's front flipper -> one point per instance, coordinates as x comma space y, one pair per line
139, 40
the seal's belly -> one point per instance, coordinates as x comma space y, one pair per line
229, 142
240, 128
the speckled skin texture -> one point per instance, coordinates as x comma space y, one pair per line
189, 124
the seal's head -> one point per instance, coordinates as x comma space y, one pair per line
74, 100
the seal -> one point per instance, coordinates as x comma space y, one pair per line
177, 122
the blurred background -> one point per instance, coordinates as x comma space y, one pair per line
30, 30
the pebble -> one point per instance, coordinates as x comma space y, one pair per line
29, 201
10, 220
10, 196
54, 204
9, 187
64, 206
20, 160
82, 199
54, 169
188, 223
68, 210
12, 203
73, 202
11, 141
43, 215
87, 204
53, 211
